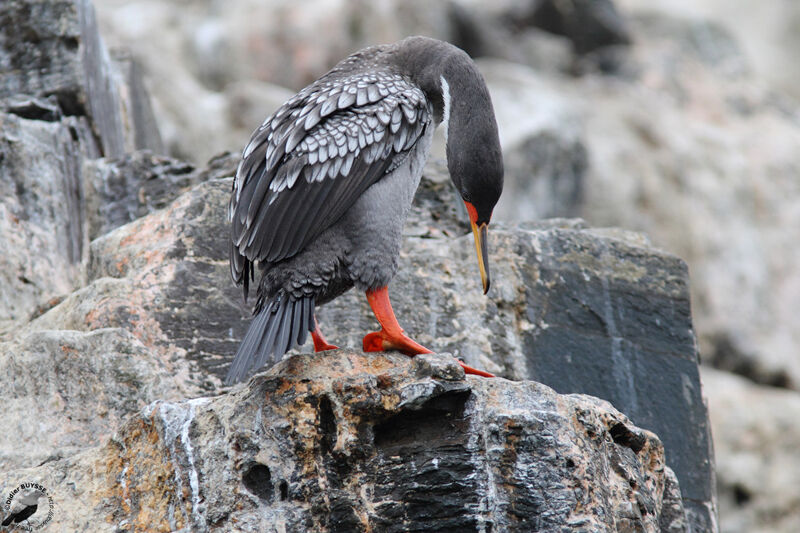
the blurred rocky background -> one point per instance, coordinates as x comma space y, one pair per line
678, 119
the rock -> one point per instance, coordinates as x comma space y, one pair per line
544, 153
165, 277
703, 187
64, 391
224, 62
146, 134
63, 101
121, 190
593, 312
42, 233
56, 197
479, 29
54, 49
556, 168
766, 33
556, 37
191, 117
756, 438
249, 104
578, 300
343, 441
588, 25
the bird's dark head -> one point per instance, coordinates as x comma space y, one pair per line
476, 168
474, 158
475, 163
461, 103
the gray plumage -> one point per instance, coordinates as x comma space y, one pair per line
324, 186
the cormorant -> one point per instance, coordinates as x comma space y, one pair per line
325, 183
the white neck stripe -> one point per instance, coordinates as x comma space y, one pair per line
446, 100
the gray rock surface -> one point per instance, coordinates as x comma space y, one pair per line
63, 102
41, 210
343, 441
593, 312
119, 191
213, 58
756, 439
588, 26
54, 49
66, 390
765, 31
590, 310
667, 148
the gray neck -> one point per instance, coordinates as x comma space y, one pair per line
426, 61
460, 100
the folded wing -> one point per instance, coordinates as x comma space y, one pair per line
311, 160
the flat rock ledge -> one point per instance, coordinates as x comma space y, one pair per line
346, 441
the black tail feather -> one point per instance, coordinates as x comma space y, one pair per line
308, 313
276, 329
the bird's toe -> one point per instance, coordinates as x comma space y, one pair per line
474, 371
381, 341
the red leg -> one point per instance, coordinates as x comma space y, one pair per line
320, 344
391, 336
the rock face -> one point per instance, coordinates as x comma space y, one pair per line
221, 59
766, 33
756, 438
119, 306
66, 390
665, 147
63, 101
53, 50
40, 209
161, 282
593, 312
344, 441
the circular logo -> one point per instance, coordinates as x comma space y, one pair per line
29, 507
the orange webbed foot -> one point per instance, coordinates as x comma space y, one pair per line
392, 337
381, 341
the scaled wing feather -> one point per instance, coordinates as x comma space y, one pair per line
311, 160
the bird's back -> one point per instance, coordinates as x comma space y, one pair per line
309, 162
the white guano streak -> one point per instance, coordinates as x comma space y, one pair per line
446, 100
